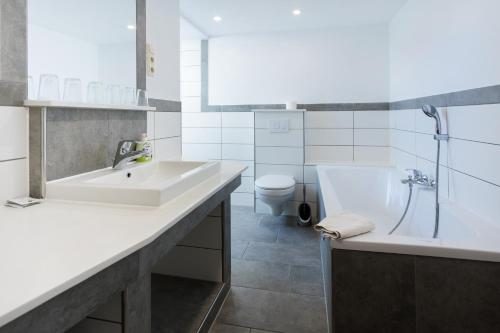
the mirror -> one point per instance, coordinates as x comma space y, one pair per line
92, 41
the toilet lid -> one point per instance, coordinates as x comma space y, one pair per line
275, 182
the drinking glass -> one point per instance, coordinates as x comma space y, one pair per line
142, 97
96, 93
72, 90
31, 88
48, 89
113, 94
129, 96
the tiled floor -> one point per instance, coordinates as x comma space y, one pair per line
276, 277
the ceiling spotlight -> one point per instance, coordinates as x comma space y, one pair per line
217, 18
296, 12
131, 27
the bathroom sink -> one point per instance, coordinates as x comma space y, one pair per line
149, 184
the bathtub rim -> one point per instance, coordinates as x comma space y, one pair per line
398, 244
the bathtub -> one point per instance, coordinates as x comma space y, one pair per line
377, 192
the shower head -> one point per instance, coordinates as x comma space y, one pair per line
431, 111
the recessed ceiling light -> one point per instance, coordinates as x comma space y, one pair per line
217, 18
296, 12
131, 27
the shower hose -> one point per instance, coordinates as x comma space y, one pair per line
410, 185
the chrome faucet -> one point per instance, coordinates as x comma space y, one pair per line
417, 178
126, 153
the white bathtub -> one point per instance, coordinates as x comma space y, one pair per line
377, 192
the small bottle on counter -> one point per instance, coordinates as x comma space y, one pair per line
144, 144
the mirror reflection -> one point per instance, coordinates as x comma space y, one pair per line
89, 57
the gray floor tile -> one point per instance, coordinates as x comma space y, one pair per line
238, 247
260, 275
250, 230
274, 311
290, 233
306, 280
223, 328
283, 253
253, 330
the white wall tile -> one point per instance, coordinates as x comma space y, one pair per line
311, 193
476, 159
405, 119
13, 133
237, 152
372, 154
201, 119
329, 119
332, 137
242, 199
238, 135
476, 196
238, 119
326, 154
475, 122
201, 135
167, 124
426, 147
279, 155
190, 89
191, 104
372, 137
292, 138
191, 74
201, 152
371, 119
403, 160
310, 174
295, 171
190, 58
403, 140
247, 185
14, 179
296, 119
168, 149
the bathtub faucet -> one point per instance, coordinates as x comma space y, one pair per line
417, 178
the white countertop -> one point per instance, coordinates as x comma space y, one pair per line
49, 248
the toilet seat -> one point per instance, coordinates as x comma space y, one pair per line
275, 183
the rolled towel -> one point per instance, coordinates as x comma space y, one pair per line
345, 225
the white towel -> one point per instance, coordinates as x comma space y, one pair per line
344, 225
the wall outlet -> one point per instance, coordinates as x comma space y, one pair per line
150, 61
278, 125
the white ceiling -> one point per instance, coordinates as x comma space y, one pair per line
253, 16
96, 21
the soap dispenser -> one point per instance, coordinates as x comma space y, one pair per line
144, 144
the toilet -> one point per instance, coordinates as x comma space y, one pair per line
275, 191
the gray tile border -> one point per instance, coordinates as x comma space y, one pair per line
477, 96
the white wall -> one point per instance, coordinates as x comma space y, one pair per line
163, 34
315, 66
443, 46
